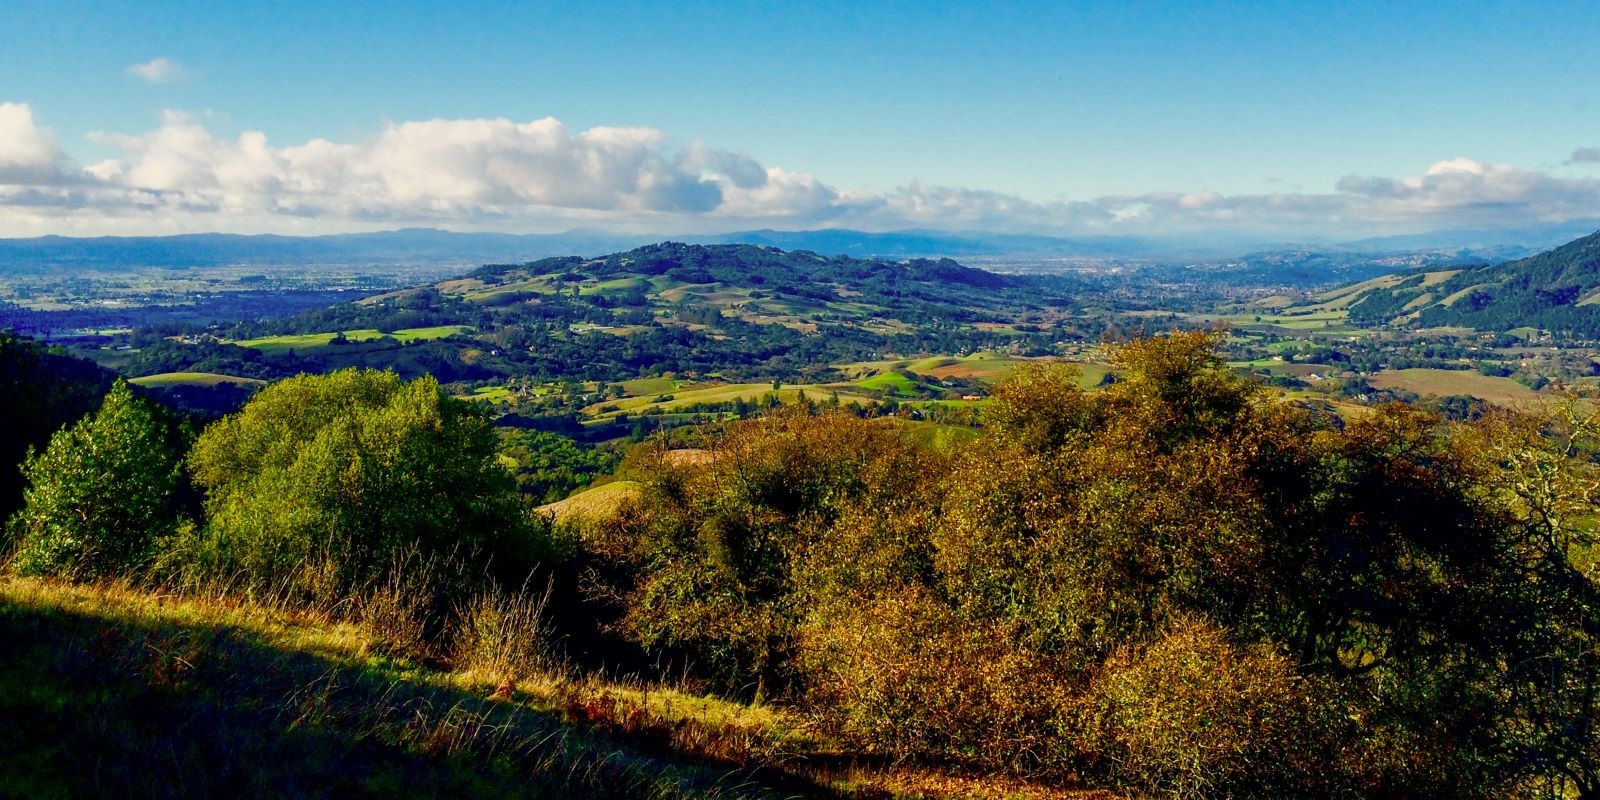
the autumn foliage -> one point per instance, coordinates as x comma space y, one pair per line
1172, 584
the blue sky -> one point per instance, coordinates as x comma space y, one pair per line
1071, 118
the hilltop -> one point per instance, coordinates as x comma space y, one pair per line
427, 246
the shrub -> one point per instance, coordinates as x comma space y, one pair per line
101, 494
713, 547
321, 483
907, 678
1194, 715
1173, 584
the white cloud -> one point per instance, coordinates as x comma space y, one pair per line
1585, 155
1464, 191
454, 171
157, 70
540, 175
29, 154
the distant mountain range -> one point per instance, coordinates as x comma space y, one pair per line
387, 249
426, 248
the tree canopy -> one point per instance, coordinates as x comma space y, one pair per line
40, 391
325, 481
101, 493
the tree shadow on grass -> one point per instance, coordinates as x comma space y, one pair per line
93, 705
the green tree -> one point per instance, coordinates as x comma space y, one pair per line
549, 466
323, 482
101, 494
40, 391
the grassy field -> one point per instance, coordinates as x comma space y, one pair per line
111, 692
167, 379
722, 393
1342, 298
639, 387
313, 341
939, 437
1460, 293
1090, 375
1281, 367
492, 394
989, 367
477, 291
1327, 312
1443, 382
593, 503
1294, 320
614, 286
893, 381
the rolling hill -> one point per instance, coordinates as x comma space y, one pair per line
733, 312
1557, 290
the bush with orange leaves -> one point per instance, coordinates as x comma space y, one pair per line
1174, 585
902, 675
711, 554
1196, 715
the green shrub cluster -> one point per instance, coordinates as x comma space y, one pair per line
355, 492
101, 495
321, 482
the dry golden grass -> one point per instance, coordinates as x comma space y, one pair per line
597, 503
318, 700
1443, 382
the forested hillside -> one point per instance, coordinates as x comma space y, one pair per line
740, 311
1556, 290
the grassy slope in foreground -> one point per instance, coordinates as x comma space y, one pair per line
107, 692
188, 699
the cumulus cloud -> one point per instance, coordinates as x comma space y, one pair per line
29, 154
156, 70
1462, 190
541, 175
1585, 155
1453, 193
448, 170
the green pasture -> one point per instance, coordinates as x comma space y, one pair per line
170, 379
312, 341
